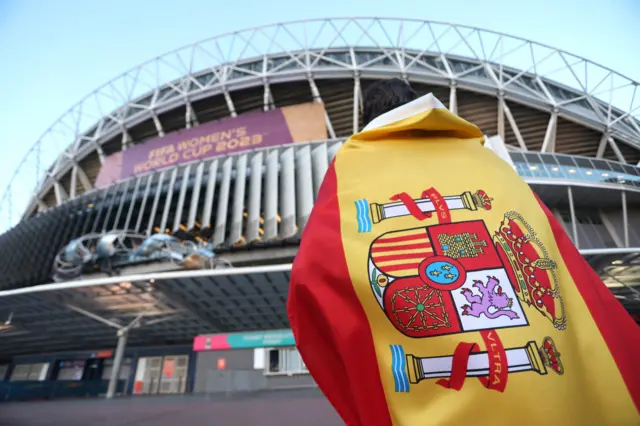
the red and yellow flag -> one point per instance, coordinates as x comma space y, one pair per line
433, 287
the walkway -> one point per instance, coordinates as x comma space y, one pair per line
282, 408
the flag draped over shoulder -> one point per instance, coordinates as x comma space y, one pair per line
433, 287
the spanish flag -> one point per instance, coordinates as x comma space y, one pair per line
432, 287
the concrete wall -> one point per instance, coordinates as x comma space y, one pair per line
239, 374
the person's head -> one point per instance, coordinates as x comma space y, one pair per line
385, 95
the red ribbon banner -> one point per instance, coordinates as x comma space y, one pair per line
439, 204
498, 367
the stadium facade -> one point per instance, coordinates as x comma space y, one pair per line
166, 207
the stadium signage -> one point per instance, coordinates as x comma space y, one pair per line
260, 339
254, 130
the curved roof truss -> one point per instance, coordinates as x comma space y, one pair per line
507, 67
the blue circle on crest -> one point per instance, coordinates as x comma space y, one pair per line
442, 272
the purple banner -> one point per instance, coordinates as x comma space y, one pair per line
228, 136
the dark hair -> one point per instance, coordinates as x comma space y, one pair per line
385, 95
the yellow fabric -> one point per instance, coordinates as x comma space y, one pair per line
448, 155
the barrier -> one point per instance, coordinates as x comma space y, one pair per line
49, 389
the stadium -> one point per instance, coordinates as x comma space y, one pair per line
149, 233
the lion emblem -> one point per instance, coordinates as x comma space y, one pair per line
491, 301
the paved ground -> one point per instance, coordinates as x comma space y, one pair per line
281, 408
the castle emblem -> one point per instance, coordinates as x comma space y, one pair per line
461, 245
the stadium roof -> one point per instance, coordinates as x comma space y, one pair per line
173, 307
160, 308
439, 53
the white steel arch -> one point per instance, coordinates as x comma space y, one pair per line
458, 56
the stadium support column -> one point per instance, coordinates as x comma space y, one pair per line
318, 99
356, 102
117, 362
453, 98
501, 117
549, 143
625, 219
574, 223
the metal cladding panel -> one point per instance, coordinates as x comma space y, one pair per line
100, 205
168, 198
116, 221
72, 185
112, 201
287, 194
320, 163
304, 185
223, 204
208, 198
235, 236
156, 200
195, 197
333, 150
132, 205
255, 192
271, 195
147, 189
183, 193
28, 250
88, 217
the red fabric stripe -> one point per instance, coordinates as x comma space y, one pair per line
498, 365
418, 255
401, 267
458, 367
619, 331
375, 249
442, 209
386, 240
411, 205
330, 326
498, 368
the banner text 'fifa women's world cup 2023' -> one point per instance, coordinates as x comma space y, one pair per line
254, 130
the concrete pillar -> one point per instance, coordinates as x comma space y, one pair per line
117, 362
625, 218
574, 222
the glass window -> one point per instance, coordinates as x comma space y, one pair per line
36, 372
617, 167
565, 160
583, 162
517, 157
125, 369
71, 370
532, 158
632, 170
600, 164
285, 361
3, 371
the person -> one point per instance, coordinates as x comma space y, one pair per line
384, 96
433, 287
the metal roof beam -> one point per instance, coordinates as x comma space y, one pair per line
148, 276
94, 316
175, 298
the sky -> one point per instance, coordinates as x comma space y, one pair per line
54, 52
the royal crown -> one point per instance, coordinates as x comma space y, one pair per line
544, 357
551, 356
477, 200
531, 269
